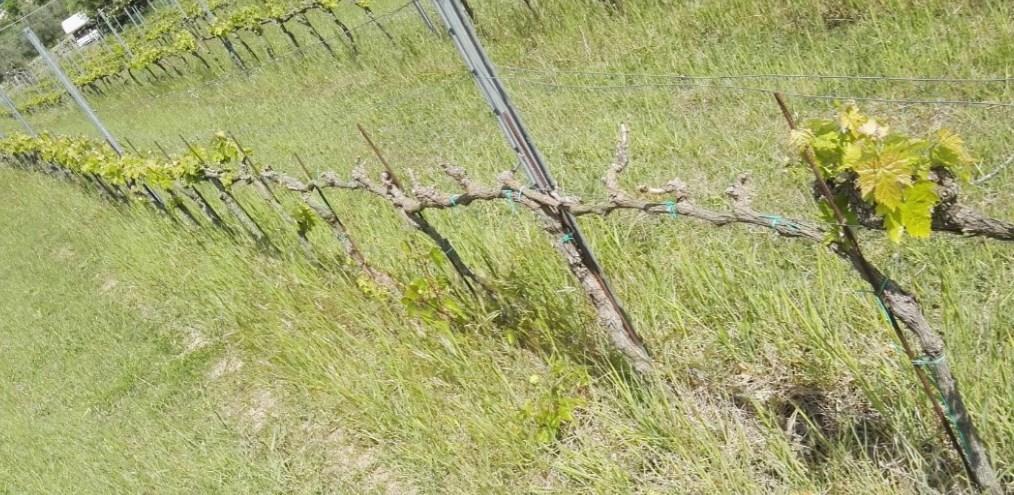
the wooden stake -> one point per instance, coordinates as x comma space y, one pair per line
195, 195
341, 233
899, 304
241, 214
269, 196
419, 221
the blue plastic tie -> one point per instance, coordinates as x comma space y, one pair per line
454, 200
567, 238
777, 220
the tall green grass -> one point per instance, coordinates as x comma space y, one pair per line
786, 378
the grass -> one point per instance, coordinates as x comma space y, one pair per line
98, 397
341, 391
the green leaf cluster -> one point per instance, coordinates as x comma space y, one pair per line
93, 157
556, 401
431, 300
306, 219
893, 172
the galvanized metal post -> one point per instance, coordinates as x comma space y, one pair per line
518, 137
130, 15
83, 104
116, 34
17, 115
72, 90
119, 25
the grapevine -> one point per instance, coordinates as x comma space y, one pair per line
88, 156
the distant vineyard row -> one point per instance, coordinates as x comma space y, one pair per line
185, 35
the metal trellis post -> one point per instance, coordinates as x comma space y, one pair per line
425, 17
116, 34
83, 104
518, 137
14, 112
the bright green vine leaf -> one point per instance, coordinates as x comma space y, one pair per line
885, 176
895, 174
949, 150
917, 209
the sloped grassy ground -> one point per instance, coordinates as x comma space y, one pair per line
786, 377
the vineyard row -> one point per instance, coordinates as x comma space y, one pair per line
867, 177
182, 36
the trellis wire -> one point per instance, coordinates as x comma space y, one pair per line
616, 321
26, 16
85, 107
827, 97
866, 78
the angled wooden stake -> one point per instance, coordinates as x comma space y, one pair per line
326, 211
417, 220
239, 212
195, 195
901, 305
269, 196
177, 203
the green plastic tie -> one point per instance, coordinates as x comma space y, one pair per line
670, 207
926, 361
512, 198
883, 306
454, 200
883, 287
952, 417
777, 220
567, 238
